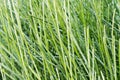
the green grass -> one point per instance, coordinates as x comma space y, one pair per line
59, 39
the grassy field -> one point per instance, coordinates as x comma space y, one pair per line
59, 39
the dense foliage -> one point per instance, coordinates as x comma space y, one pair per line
59, 39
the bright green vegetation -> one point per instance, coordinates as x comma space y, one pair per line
59, 39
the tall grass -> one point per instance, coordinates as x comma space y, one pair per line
59, 39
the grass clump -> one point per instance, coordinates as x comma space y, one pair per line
59, 40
